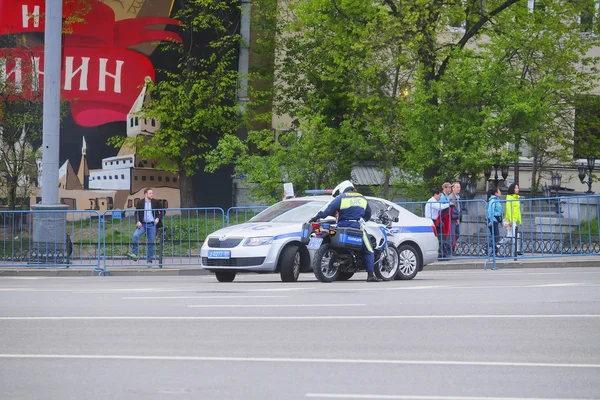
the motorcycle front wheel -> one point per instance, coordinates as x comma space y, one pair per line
323, 266
388, 264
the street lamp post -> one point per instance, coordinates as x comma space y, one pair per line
469, 190
591, 163
554, 185
503, 171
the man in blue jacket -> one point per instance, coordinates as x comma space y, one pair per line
352, 206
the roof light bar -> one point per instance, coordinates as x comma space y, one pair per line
318, 191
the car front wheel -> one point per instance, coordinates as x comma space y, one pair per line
225, 276
289, 264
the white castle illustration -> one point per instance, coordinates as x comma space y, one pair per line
120, 181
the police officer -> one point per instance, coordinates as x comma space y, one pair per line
351, 206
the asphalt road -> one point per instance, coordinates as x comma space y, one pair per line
471, 334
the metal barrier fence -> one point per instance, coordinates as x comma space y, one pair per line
50, 238
239, 215
550, 227
465, 239
175, 242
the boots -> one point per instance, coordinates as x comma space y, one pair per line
371, 277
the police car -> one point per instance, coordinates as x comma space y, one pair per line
270, 241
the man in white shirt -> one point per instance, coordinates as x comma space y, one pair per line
148, 217
433, 207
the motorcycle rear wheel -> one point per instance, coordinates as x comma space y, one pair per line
323, 266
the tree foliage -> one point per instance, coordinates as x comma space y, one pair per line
393, 82
196, 101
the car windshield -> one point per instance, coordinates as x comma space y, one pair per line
290, 211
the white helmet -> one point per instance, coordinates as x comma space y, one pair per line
343, 187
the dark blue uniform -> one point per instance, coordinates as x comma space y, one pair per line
352, 207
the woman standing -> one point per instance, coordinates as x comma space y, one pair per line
513, 214
493, 217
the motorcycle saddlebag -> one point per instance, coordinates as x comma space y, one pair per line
347, 239
305, 234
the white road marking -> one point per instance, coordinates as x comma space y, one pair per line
287, 317
200, 297
558, 285
417, 397
299, 360
270, 305
380, 289
288, 289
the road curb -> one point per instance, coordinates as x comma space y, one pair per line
511, 264
449, 265
64, 272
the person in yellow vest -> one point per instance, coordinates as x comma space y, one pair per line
513, 213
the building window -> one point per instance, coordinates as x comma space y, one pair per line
129, 203
110, 177
104, 177
167, 179
588, 16
135, 178
136, 121
144, 177
122, 176
116, 176
587, 125
174, 180
151, 177
160, 178
153, 122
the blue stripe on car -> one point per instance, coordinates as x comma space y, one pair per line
411, 229
395, 229
287, 235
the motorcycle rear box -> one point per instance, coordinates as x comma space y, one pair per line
347, 239
306, 231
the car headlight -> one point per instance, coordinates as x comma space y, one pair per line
258, 241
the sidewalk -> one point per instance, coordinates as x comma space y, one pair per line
449, 265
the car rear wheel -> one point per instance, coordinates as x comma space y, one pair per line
410, 262
225, 276
289, 263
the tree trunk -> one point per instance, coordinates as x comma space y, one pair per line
187, 198
517, 170
12, 183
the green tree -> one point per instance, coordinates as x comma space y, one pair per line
21, 108
20, 124
393, 83
196, 101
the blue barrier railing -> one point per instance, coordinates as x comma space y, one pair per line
550, 227
175, 242
459, 232
47, 238
238, 215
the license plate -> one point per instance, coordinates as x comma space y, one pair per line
315, 243
223, 254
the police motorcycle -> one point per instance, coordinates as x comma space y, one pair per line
338, 249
